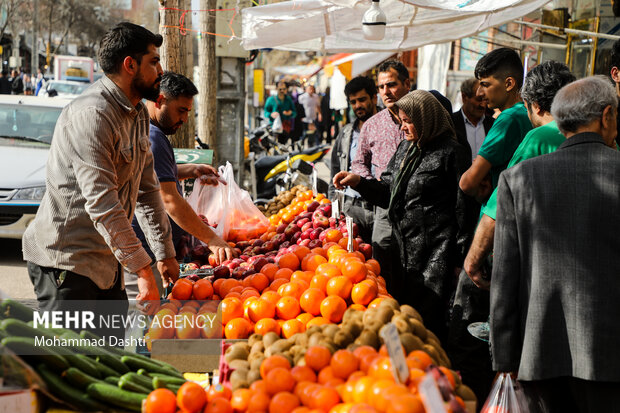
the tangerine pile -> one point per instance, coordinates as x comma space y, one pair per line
304, 288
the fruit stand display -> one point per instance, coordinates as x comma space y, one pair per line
282, 200
319, 331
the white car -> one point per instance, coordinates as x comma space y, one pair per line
26, 128
64, 88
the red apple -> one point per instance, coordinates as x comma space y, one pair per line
280, 228
314, 243
314, 235
302, 222
365, 249
320, 222
304, 242
221, 272
313, 206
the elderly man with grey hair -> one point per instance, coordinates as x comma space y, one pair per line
555, 288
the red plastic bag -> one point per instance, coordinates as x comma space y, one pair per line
228, 208
506, 396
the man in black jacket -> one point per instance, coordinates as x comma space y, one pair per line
471, 122
361, 93
5, 84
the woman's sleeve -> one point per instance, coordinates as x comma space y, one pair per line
466, 218
374, 191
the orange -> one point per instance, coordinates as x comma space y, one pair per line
259, 281
333, 235
366, 360
218, 405
362, 408
377, 388
319, 281
312, 261
317, 321
191, 397
259, 402
304, 318
277, 283
302, 276
419, 359
203, 290
182, 289
317, 357
187, 326
260, 309
303, 373
325, 398
247, 293
374, 264
301, 252
215, 391
292, 327
293, 289
161, 401
319, 251
283, 402
382, 401
227, 285
415, 377
311, 299
375, 303
266, 325
354, 270
333, 308
328, 269
381, 368
290, 261
271, 363
271, 296
343, 363
326, 374
344, 242
269, 270
364, 292
361, 391
258, 386
284, 273
237, 328
279, 379
340, 286
406, 403
358, 307
287, 308
363, 350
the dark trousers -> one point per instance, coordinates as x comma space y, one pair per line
63, 290
570, 394
362, 214
382, 244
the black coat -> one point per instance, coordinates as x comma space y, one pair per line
432, 227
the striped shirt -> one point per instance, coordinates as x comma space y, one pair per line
99, 172
379, 138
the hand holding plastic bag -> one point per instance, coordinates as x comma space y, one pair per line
277, 126
506, 396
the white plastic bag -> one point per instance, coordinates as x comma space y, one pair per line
506, 396
228, 208
277, 126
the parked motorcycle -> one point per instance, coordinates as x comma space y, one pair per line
274, 174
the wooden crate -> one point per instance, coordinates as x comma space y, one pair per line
192, 355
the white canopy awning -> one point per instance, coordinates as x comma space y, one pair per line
357, 63
335, 25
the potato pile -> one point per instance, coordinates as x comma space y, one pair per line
358, 328
281, 200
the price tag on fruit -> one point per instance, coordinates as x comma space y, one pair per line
390, 336
315, 181
349, 223
335, 209
431, 398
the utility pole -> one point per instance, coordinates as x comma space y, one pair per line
207, 121
174, 57
34, 61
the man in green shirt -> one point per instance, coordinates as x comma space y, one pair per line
500, 73
281, 106
469, 355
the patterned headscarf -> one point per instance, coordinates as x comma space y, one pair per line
429, 117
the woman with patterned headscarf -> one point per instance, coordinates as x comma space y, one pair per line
429, 214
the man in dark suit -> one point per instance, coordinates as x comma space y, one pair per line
472, 122
555, 284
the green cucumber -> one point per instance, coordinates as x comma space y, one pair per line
68, 393
116, 396
26, 346
104, 371
18, 328
136, 363
173, 388
114, 363
112, 380
126, 383
14, 309
78, 378
143, 372
141, 380
160, 382
165, 379
79, 361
